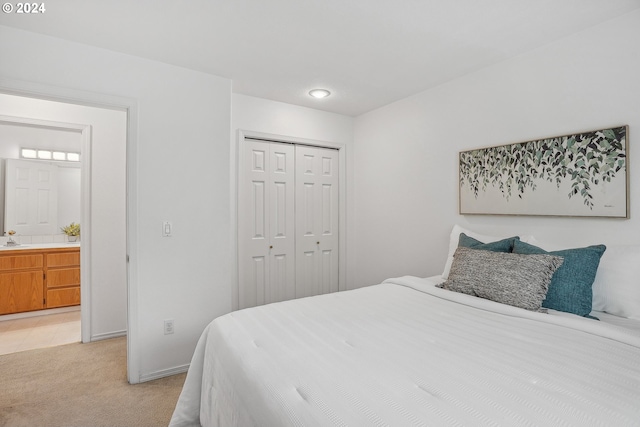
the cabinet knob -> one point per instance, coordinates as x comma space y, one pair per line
317, 243
271, 247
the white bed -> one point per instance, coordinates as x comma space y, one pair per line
405, 352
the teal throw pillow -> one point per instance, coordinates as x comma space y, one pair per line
504, 245
570, 288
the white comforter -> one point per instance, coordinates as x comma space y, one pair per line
407, 353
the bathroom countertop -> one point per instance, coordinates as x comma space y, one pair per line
40, 246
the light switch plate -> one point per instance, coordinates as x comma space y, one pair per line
167, 229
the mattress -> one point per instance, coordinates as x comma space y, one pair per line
407, 353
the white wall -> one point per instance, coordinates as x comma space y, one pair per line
180, 132
262, 115
265, 116
14, 137
406, 153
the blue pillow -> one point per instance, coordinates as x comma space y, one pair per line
570, 287
504, 245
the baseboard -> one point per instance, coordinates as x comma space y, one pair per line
164, 373
36, 313
108, 335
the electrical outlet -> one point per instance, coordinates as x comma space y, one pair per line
168, 326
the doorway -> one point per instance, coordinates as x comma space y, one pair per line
40, 192
103, 203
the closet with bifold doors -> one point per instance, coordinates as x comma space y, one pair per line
288, 221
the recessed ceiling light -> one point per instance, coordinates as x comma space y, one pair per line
319, 93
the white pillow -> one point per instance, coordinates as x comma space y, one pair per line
616, 289
453, 243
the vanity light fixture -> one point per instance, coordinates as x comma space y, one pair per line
44, 154
27, 153
319, 93
73, 157
60, 156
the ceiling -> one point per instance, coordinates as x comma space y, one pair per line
368, 53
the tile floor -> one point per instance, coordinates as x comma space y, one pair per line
39, 332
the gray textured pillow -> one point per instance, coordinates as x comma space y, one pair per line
507, 278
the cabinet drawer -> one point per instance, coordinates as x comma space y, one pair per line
21, 262
21, 292
63, 259
63, 277
63, 297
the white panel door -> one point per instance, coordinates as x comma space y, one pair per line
31, 197
266, 227
317, 225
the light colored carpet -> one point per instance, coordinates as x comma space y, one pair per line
80, 385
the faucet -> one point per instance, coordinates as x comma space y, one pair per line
11, 242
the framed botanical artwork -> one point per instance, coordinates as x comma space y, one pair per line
583, 175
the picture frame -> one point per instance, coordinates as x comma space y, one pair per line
578, 175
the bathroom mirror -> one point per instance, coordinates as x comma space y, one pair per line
38, 196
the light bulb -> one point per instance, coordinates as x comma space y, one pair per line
319, 93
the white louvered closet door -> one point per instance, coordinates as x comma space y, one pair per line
316, 221
287, 222
266, 223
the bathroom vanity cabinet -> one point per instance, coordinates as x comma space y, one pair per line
39, 278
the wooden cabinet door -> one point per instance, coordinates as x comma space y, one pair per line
63, 297
21, 291
63, 259
63, 277
21, 262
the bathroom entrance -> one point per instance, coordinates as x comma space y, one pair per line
85, 201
